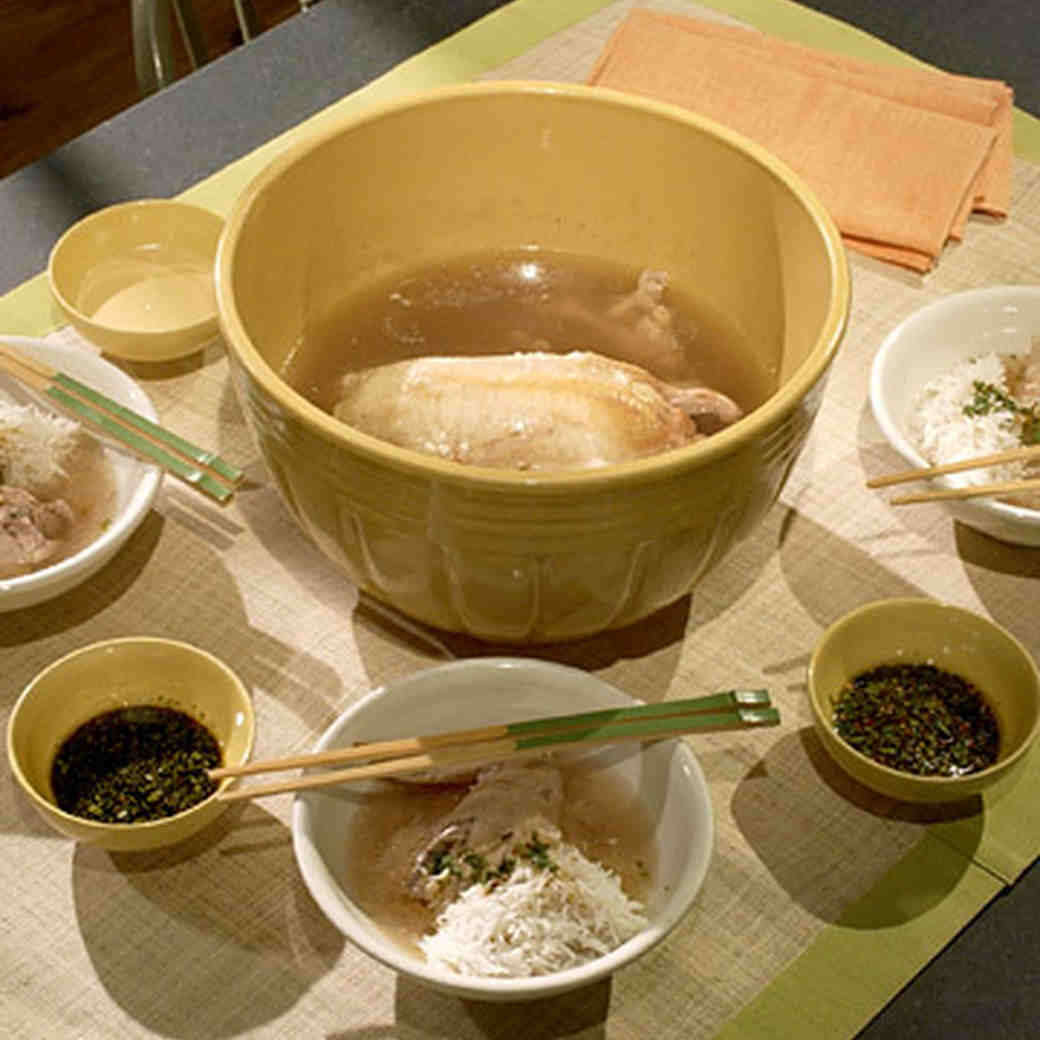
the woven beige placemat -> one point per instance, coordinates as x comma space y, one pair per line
219, 938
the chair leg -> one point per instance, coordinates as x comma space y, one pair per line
152, 44
151, 24
190, 31
247, 19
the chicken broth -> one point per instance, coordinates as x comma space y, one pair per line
92, 494
41, 526
395, 822
529, 300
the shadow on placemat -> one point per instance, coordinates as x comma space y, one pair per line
988, 563
200, 944
423, 1013
662, 632
659, 635
664, 628
79, 605
826, 843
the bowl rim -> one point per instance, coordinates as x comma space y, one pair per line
95, 827
922, 782
477, 987
655, 467
891, 427
77, 567
83, 226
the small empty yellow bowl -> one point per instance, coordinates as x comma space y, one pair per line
923, 631
136, 279
119, 673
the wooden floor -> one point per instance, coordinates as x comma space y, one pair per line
67, 65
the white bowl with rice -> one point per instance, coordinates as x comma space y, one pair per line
923, 376
355, 845
108, 492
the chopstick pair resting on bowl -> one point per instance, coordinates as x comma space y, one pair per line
1027, 453
732, 709
198, 467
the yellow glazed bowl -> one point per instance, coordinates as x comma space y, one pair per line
919, 631
136, 279
115, 674
501, 554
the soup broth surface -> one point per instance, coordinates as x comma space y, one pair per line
600, 817
92, 493
90, 490
518, 300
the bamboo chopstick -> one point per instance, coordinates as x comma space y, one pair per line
734, 709
1006, 487
1025, 453
196, 466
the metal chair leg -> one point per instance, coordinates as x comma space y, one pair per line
151, 25
190, 32
153, 49
247, 19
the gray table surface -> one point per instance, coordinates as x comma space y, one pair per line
987, 982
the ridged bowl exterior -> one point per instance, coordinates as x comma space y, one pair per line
499, 554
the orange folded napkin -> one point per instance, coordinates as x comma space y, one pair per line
899, 156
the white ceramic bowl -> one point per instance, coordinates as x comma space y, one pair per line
482, 692
137, 483
1002, 319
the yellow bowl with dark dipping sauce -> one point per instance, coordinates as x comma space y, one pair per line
918, 637
137, 673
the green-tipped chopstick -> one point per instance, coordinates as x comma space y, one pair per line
196, 466
733, 709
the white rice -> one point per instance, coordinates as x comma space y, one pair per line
942, 433
537, 921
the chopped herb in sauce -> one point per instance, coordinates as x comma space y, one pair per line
536, 852
472, 868
135, 764
918, 718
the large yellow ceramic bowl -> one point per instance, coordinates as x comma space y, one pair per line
119, 673
501, 554
923, 631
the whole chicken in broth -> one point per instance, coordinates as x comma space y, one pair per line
532, 411
530, 361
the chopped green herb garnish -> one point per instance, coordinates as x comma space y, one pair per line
988, 398
477, 865
440, 861
537, 853
472, 868
503, 871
